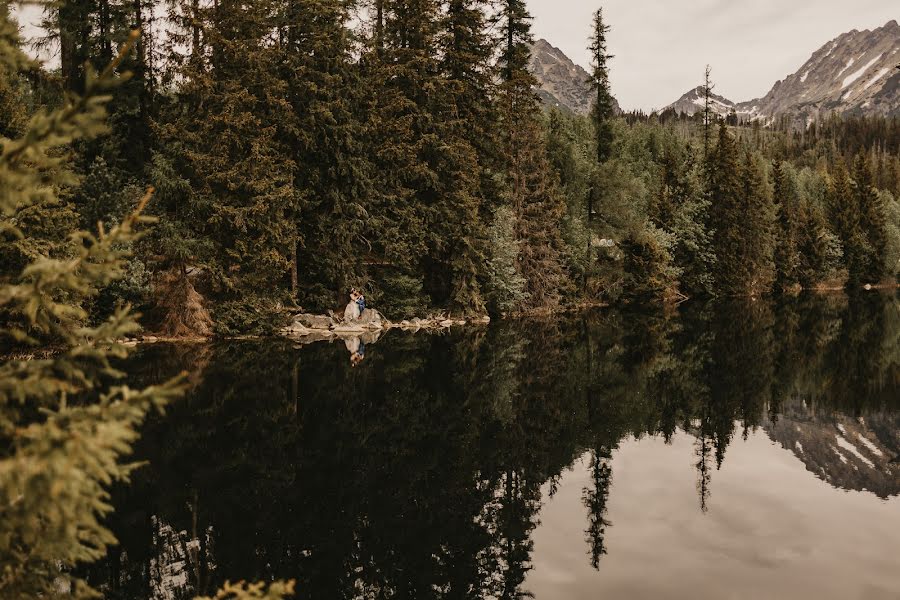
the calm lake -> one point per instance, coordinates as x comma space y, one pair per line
747, 450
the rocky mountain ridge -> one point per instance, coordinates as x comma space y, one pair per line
860, 454
856, 73
562, 83
692, 102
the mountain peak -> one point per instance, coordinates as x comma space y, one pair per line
694, 101
561, 82
855, 73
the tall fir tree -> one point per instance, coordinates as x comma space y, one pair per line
741, 215
758, 228
872, 221
812, 244
401, 71
532, 189
846, 218
787, 254
332, 174
708, 114
681, 208
466, 118
223, 135
602, 111
726, 218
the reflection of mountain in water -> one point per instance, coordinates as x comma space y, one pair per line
853, 454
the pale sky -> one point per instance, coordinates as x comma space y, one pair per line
661, 47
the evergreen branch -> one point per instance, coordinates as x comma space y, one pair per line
47, 130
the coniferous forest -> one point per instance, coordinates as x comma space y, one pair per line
204, 168
301, 149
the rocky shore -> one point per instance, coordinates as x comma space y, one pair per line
305, 325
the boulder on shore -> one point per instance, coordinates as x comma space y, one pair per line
309, 321
370, 319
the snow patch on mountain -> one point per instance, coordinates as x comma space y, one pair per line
857, 74
878, 76
847, 66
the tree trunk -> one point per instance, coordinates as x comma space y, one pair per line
294, 269
140, 70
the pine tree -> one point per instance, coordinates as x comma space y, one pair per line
812, 243
741, 216
602, 111
12, 93
726, 218
532, 190
757, 233
708, 114
682, 209
224, 135
333, 176
596, 500
846, 219
401, 70
505, 289
58, 464
872, 221
787, 255
87, 32
466, 119
45, 224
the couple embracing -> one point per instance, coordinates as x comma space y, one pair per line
356, 306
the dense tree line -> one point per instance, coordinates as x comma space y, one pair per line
67, 417
302, 149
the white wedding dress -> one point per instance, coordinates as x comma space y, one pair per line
351, 313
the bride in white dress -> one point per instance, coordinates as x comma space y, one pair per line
351, 313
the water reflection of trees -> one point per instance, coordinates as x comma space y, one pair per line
420, 472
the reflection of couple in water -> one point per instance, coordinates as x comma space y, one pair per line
355, 308
357, 350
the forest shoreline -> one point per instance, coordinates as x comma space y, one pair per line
330, 328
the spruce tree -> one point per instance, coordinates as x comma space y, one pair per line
13, 117
332, 173
532, 189
812, 244
466, 118
846, 219
708, 114
223, 135
46, 225
787, 255
602, 111
757, 233
67, 421
596, 499
57, 467
872, 221
681, 208
726, 218
401, 71
741, 216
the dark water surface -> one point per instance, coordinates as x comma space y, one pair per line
737, 451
